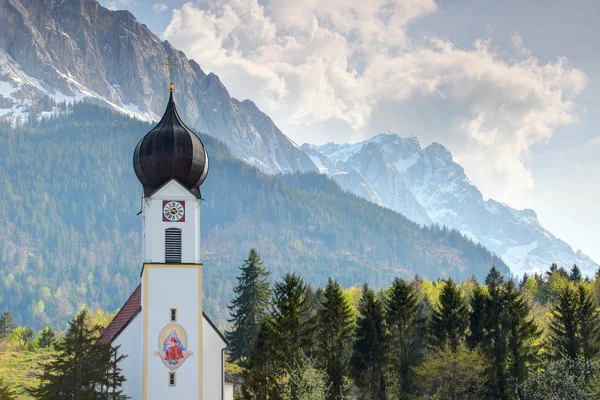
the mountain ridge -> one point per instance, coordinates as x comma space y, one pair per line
438, 191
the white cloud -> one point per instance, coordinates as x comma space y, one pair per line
318, 66
160, 7
595, 141
118, 4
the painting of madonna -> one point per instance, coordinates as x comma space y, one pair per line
172, 346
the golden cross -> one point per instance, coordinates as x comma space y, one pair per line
170, 63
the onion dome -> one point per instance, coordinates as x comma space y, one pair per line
170, 150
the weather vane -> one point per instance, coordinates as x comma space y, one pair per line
170, 63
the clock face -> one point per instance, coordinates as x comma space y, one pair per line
174, 211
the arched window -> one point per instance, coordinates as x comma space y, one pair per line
173, 246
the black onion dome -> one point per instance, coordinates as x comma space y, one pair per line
170, 150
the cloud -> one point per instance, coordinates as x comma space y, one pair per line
118, 4
160, 7
595, 141
346, 69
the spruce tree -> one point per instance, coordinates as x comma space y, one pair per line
522, 334
259, 373
563, 340
247, 309
575, 274
7, 324
290, 322
588, 321
335, 339
450, 320
370, 347
406, 333
45, 338
477, 318
82, 369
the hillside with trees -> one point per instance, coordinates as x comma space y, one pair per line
70, 236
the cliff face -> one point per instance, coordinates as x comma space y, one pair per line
70, 50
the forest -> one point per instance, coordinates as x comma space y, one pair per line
70, 237
535, 339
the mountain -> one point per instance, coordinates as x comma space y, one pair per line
56, 51
427, 186
70, 235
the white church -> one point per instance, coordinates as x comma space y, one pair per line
174, 350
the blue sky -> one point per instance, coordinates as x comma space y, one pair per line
509, 87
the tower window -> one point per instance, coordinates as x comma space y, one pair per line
171, 378
173, 315
173, 245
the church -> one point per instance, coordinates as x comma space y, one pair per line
174, 350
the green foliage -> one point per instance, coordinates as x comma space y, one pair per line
302, 380
7, 324
22, 335
406, 336
259, 374
449, 375
247, 308
6, 393
477, 318
46, 338
83, 368
575, 274
563, 379
335, 337
450, 319
370, 347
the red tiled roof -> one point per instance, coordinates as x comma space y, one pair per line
132, 306
229, 378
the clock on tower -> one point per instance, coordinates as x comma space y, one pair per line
173, 211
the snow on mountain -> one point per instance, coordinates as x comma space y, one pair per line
428, 187
55, 51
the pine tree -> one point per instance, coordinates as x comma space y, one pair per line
82, 369
477, 318
259, 372
247, 309
575, 275
335, 339
290, 322
563, 341
588, 321
7, 324
450, 320
6, 393
45, 338
406, 333
370, 347
522, 334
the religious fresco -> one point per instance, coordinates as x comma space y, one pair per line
172, 342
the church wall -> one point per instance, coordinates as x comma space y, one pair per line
166, 287
212, 360
129, 340
228, 391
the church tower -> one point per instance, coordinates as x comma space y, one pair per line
171, 163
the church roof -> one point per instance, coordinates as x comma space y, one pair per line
130, 309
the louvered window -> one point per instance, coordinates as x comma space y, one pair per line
173, 245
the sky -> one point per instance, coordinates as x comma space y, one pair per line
509, 87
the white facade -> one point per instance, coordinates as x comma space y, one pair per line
174, 352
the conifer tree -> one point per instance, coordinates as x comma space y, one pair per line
290, 322
575, 274
7, 324
450, 320
563, 340
259, 372
477, 318
370, 347
588, 321
522, 334
83, 369
45, 338
335, 339
247, 309
406, 333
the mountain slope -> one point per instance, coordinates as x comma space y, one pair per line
54, 51
427, 185
70, 235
